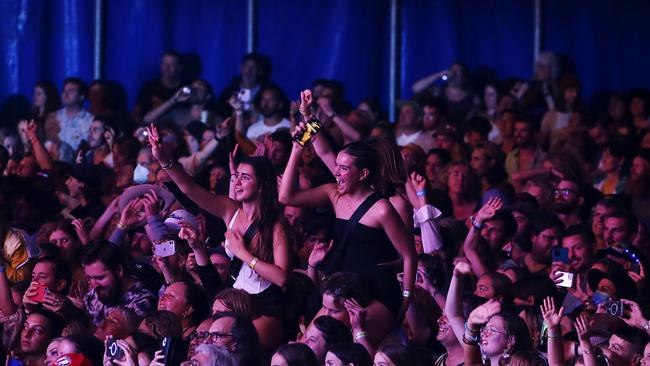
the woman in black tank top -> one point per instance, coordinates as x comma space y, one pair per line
376, 237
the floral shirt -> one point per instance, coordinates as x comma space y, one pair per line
138, 298
74, 129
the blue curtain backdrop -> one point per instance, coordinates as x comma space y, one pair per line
605, 41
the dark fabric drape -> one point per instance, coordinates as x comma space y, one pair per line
606, 41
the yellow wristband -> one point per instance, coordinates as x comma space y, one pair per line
253, 263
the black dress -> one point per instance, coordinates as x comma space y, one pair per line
364, 251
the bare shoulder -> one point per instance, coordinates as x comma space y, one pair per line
399, 202
383, 208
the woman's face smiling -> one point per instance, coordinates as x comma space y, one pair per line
346, 173
246, 188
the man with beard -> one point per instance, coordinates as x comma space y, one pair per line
580, 243
567, 200
605, 207
110, 285
547, 231
527, 154
272, 107
619, 227
99, 150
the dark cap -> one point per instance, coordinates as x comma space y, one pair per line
87, 174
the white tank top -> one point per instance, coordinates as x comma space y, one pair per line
247, 279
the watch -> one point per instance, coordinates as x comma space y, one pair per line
476, 225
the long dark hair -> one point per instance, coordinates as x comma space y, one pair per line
269, 212
399, 354
392, 174
52, 101
297, 354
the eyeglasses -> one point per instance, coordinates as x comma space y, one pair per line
565, 192
486, 331
200, 336
216, 336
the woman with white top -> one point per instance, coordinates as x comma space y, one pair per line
256, 233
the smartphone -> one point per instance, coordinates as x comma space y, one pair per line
311, 128
41, 290
560, 255
244, 95
113, 351
186, 91
614, 308
174, 351
165, 248
566, 279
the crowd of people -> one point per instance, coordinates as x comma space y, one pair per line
500, 223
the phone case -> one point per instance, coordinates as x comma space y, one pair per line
165, 249
41, 290
113, 351
566, 280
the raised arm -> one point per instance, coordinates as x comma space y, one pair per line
196, 161
315, 197
552, 319
217, 205
454, 305
155, 113
472, 241
350, 134
246, 145
425, 214
426, 81
321, 145
477, 318
43, 158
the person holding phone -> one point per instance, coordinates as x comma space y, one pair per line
256, 235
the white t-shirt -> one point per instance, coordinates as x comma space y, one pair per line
259, 128
404, 139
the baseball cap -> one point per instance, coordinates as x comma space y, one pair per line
175, 218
